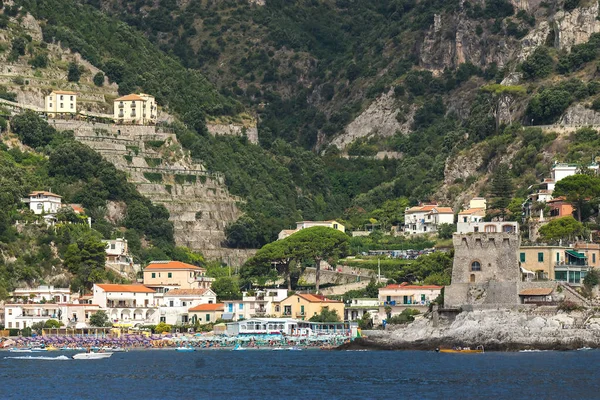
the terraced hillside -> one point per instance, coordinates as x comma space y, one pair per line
197, 200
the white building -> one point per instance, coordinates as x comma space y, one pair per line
43, 293
469, 217
426, 218
118, 257
127, 305
310, 224
175, 304
357, 308
19, 316
262, 326
42, 202
259, 302
60, 102
233, 310
403, 296
138, 109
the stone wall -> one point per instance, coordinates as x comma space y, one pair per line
251, 132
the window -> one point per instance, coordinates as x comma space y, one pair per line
472, 278
335, 226
277, 308
522, 257
112, 246
10, 311
39, 206
170, 303
475, 266
170, 275
50, 105
154, 274
593, 257
71, 98
71, 105
62, 105
241, 306
61, 96
207, 317
301, 310
464, 219
16, 324
540, 257
10, 324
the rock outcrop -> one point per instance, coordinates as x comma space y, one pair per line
251, 132
541, 328
577, 114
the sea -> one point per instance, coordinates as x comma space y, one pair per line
308, 374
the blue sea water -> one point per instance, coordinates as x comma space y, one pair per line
309, 374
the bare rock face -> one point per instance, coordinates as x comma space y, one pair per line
115, 211
33, 27
251, 132
577, 114
576, 26
379, 119
464, 165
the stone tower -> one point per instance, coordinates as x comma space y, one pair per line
485, 270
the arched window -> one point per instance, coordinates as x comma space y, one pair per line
475, 266
490, 228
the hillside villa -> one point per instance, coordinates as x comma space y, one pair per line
136, 109
60, 102
163, 276
127, 305
175, 304
426, 218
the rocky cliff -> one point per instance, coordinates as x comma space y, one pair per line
198, 202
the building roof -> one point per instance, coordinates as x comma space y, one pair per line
208, 307
77, 208
288, 231
172, 265
443, 210
186, 292
130, 97
536, 292
63, 92
316, 298
112, 287
429, 207
406, 286
45, 193
471, 211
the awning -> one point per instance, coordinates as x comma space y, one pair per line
526, 271
576, 254
227, 316
536, 292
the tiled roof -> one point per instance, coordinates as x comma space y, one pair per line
444, 210
44, 193
130, 97
186, 292
77, 208
406, 286
316, 298
172, 265
208, 307
111, 287
471, 211
536, 292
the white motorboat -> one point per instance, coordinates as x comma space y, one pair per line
185, 349
91, 356
115, 349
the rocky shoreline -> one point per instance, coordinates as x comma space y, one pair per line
496, 330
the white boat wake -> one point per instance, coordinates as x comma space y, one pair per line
38, 358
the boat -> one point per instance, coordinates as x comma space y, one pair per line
238, 347
185, 349
51, 348
466, 350
294, 348
115, 349
91, 356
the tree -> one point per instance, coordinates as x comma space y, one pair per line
226, 288
74, 72
538, 65
52, 323
99, 79
445, 231
31, 129
502, 95
86, 258
579, 190
280, 253
326, 315
100, 319
162, 327
565, 228
366, 322
319, 243
502, 189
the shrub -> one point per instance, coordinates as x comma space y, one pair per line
568, 306
99, 79
538, 65
404, 317
74, 72
39, 61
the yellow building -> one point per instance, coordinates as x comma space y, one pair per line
305, 306
206, 313
137, 109
60, 102
161, 275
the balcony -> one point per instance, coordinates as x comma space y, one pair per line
121, 105
121, 115
128, 304
300, 314
132, 115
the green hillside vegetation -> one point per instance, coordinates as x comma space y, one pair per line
81, 176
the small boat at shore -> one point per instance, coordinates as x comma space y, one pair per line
91, 356
238, 347
466, 350
185, 349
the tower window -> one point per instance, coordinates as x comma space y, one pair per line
475, 266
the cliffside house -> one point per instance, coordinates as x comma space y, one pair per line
60, 103
305, 306
469, 217
175, 304
136, 109
402, 296
127, 305
426, 218
206, 313
309, 224
118, 257
42, 294
42, 202
163, 276
355, 309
